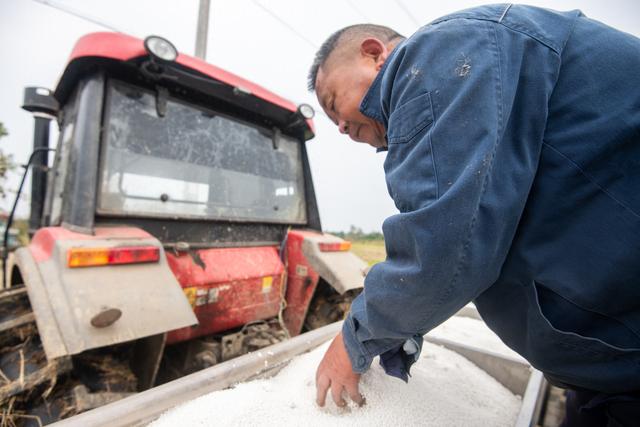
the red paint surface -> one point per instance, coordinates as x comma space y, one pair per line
300, 286
123, 47
43, 241
237, 274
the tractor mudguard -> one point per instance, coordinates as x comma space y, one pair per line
307, 262
343, 270
72, 306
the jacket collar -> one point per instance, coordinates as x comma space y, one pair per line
371, 105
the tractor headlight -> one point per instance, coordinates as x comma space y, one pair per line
160, 48
306, 111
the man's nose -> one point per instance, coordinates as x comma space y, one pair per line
343, 127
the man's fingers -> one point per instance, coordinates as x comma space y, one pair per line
322, 386
354, 393
335, 373
336, 393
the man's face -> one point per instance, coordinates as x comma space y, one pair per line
340, 88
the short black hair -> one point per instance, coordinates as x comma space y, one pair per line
381, 32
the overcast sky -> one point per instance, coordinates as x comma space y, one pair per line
270, 42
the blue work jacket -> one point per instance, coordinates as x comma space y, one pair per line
514, 160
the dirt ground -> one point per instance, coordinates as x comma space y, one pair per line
371, 251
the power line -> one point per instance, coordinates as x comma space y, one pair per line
358, 11
408, 12
300, 35
96, 21
77, 14
285, 23
82, 16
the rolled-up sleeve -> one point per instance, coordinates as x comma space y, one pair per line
465, 107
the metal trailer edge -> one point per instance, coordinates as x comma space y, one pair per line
143, 408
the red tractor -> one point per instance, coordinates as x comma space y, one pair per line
177, 228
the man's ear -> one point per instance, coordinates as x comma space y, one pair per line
375, 49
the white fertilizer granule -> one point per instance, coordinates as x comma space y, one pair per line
445, 390
473, 332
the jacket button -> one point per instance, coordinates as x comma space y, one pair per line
361, 361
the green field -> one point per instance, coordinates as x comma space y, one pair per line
371, 251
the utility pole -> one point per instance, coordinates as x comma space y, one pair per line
203, 29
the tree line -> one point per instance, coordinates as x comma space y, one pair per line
356, 233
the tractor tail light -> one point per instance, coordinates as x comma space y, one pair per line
335, 246
93, 257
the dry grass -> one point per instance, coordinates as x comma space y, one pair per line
371, 251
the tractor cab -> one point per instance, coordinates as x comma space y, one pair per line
179, 215
158, 139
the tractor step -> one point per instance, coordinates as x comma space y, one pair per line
13, 292
10, 324
13, 304
15, 311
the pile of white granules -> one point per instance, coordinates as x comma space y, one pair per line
474, 333
445, 389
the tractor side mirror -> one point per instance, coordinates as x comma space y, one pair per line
40, 100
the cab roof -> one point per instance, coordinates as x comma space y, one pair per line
122, 47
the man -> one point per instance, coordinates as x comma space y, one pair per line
513, 138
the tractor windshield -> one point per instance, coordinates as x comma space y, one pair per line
196, 163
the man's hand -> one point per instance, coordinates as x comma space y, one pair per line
335, 372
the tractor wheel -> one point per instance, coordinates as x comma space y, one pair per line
35, 391
328, 306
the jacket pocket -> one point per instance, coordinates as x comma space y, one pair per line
584, 328
409, 119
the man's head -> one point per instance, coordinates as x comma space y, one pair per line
344, 67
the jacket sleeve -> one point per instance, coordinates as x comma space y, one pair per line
465, 107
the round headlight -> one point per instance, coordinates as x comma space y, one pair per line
160, 48
306, 111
